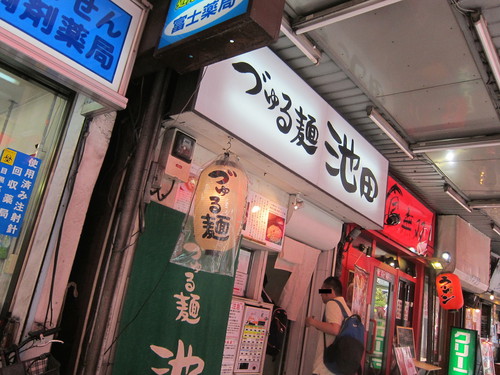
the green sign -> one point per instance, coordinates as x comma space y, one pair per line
462, 351
174, 319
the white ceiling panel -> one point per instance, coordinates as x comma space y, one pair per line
477, 179
462, 109
392, 50
494, 214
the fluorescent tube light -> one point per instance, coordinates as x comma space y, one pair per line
301, 41
389, 131
337, 14
484, 203
495, 228
9, 78
457, 143
488, 46
456, 197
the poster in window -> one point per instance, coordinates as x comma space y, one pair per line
265, 222
360, 291
487, 357
405, 361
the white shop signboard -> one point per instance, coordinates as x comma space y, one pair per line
260, 100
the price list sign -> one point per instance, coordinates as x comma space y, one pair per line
18, 174
232, 337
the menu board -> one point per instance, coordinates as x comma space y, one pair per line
265, 222
405, 338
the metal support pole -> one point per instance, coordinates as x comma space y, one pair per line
131, 200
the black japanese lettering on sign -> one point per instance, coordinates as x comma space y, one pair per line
349, 165
444, 284
418, 228
307, 132
216, 225
306, 135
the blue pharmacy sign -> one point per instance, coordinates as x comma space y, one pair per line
91, 33
189, 17
18, 173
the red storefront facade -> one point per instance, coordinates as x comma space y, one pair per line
386, 279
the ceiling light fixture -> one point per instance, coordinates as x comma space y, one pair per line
301, 41
383, 125
456, 197
298, 204
391, 262
353, 234
436, 264
484, 203
495, 228
488, 46
9, 78
337, 14
457, 143
295, 202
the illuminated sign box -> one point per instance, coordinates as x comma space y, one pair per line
462, 351
408, 221
88, 45
200, 32
292, 125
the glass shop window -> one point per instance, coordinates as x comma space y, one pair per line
31, 121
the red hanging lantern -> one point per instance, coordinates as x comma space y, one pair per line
449, 291
219, 205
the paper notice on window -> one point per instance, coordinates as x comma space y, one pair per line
232, 337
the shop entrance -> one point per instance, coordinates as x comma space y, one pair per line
389, 297
378, 339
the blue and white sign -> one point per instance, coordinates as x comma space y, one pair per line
89, 32
188, 17
88, 46
18, 173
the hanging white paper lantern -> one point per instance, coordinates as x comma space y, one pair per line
220, 204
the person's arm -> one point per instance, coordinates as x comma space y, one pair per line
333, 317
329, 328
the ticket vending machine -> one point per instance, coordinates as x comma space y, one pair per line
246, 337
